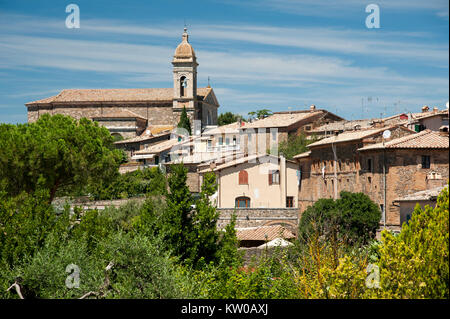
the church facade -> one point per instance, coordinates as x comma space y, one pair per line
128, 112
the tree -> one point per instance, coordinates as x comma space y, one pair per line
227, 118
184, 121
415, 264
54, 153
295, 144
176, 225
260, 114
353, 218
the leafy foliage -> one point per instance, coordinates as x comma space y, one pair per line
227, 118
415, 264
294, 145
354, 218
149, 181
55, 152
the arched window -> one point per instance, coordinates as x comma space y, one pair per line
242, 202
183, 86
243, 177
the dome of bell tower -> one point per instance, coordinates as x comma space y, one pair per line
184, 51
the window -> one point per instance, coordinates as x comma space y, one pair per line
220, 140
426, 161
234, 140
308, 127
227, 141
274, 177
243, 178
274, 135
209, 143
289, 201
242, 202
183, 85
369, 165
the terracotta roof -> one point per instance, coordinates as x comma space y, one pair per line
343, 125
349, 136
229, 128
281, 119
260, 233
115, 95
424, 139
143, 137
159, 147
303, 155
240, 159
429, 194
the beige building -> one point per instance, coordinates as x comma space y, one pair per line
127, 112
258, 181
265, 134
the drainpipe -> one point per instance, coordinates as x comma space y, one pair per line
384, 185
333, 147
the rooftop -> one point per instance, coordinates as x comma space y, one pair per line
282, 119
429, 194
263, 233
115, 95
349, 136
425, 139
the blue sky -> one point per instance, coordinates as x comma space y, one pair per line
275, 54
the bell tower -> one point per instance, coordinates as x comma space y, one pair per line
185, 75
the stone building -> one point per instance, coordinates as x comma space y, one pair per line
384, 169
127, 112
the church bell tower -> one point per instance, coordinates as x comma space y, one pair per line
185, 76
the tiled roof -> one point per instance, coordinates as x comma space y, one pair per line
159, 147
115, 95
144, 137
424, 139
429, 194
348, 136
342, 125
302, 155
263, 233
281, 119
229, 128
240, 159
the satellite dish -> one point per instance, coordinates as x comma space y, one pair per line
386, 134
147, 132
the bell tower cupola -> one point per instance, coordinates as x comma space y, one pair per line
184, 74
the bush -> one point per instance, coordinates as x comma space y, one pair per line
415, 264
353, 218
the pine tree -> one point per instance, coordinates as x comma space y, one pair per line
184, 121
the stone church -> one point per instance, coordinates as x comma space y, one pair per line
129, 112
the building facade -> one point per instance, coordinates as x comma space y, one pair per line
127, 112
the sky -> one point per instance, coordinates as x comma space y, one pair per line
280, 55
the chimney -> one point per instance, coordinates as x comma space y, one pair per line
435, 109
425, 108
312, 108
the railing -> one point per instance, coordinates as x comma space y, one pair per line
223, 148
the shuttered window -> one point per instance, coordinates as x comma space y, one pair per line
243, 178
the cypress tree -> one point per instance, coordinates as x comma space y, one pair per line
184, 121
